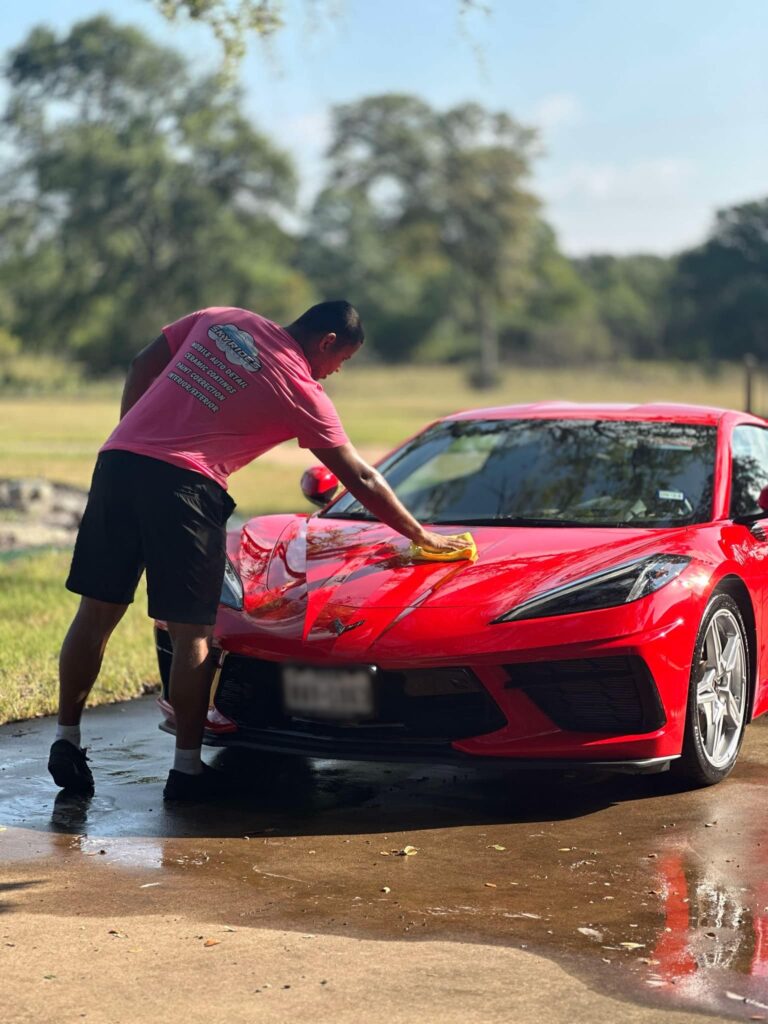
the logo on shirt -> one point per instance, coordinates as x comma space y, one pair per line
238, 346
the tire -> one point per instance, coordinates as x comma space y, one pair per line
718, 696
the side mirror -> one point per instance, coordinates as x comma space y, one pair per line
319, 485
762, 499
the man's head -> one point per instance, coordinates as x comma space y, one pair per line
329, 333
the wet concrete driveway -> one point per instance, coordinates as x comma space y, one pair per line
655, 897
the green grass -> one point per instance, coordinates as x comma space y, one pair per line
35, 612
58, 437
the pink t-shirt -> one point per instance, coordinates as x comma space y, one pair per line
236, 386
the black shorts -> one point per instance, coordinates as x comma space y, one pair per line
143, 513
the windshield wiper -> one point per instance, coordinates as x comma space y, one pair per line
509, 521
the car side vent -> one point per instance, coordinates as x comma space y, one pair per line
607, 695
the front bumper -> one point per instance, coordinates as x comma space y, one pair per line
604, 710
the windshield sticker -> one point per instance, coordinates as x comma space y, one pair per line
670, 496
238, 346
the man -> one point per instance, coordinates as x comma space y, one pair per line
214, 391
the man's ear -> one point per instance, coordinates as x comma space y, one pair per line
327, 341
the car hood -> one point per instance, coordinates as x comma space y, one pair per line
322, 578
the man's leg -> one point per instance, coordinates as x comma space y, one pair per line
189, 689
82, 653
79, 664
192, 671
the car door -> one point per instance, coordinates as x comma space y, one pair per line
749, 475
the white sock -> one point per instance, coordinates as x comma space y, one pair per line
70, 733
188, 761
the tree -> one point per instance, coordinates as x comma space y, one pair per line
556, 316
720, 289
138, 192
232, 21
631, 295
447, 190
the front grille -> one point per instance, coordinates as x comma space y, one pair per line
423, 703
411, 706
611, 695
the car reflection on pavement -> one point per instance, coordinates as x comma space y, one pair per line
714, 946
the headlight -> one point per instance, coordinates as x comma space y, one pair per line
231, 588
620, 585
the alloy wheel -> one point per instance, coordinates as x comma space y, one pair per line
721, 691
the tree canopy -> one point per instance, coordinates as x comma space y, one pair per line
446, 191
720, 289
137, 192
234, 21
132, 191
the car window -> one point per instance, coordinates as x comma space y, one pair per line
585, 472
749, 472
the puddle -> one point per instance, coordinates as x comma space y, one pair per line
650, 895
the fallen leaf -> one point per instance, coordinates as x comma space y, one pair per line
710, 824
385, 888
150, 885
407, 851
115, 932
496, 846
565, 849
632, 945
591, 933
228, 929
489, 885
212, 942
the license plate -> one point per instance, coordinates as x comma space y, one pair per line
328, 693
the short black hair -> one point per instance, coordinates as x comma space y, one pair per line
336, 316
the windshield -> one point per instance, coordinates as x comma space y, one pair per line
552, 472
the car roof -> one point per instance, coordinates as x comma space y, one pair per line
652, 411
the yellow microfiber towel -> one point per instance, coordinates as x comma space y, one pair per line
468, 552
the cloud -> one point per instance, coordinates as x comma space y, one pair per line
559, 110
637, 181
312, 129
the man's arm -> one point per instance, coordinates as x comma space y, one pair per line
145, 368
372, 490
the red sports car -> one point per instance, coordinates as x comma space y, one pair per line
615, 616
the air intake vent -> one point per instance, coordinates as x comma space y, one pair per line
607, 695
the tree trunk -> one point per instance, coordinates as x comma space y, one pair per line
486, 375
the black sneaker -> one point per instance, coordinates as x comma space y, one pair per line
209, 785
68, 766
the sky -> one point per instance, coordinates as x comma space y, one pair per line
652, 114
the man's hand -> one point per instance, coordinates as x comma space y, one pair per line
437, 542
